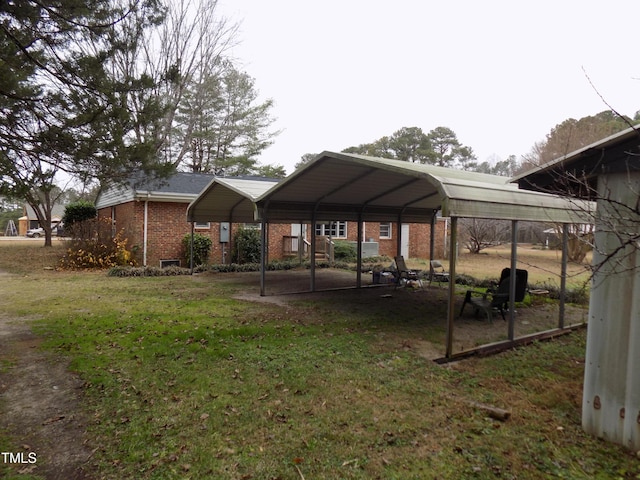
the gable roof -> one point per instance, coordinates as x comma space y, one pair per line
57, 212
339, 186
229, 200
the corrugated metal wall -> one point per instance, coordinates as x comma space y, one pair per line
611, 400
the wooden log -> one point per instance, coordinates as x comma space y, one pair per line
493, 412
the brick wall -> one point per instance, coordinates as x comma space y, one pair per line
419, 240
167, 225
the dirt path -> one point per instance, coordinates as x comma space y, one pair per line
39, 408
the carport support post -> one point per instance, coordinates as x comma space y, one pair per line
191, 246
359, 249
512, 278
263, 255
312, 256
563, 272
432, 239
452, 285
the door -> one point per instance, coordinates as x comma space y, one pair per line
404, 246
297, 231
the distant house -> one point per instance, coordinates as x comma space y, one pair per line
30, 220
153, 217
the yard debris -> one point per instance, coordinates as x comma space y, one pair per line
53, 419
493, 412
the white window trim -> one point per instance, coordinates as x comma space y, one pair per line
390, 235
325, 229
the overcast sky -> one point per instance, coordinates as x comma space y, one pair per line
500, 74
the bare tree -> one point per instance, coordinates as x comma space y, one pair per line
184, 53
479, 233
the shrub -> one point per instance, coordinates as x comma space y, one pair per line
201, 249
345, 252
78, 212
94, 246
246, 246
122, 271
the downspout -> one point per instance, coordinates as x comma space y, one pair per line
145, 227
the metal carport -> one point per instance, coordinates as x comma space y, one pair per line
339, 186
349, 187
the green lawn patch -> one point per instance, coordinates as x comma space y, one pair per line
183, 381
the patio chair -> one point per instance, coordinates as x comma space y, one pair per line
405, 273
497, 298
437, 272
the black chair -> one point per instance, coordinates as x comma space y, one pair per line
497, 298
405, 273
437, 272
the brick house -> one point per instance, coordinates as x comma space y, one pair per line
153, 218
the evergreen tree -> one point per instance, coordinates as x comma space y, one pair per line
66, 96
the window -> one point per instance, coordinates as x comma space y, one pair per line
332, 229
169, 263
385, 230
202, 225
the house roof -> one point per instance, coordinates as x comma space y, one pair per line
57, 212
577, 171
181, 187
229, 200
339, 186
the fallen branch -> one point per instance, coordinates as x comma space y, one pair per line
493, 412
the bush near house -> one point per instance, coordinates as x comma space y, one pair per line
345, 252
201, 249
246, 246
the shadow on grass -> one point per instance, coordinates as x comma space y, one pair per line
409, 317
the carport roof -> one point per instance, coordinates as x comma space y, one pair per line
340, 186
229, 200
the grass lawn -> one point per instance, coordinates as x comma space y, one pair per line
543, 265
184, 381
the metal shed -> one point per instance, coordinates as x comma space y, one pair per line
608, 171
